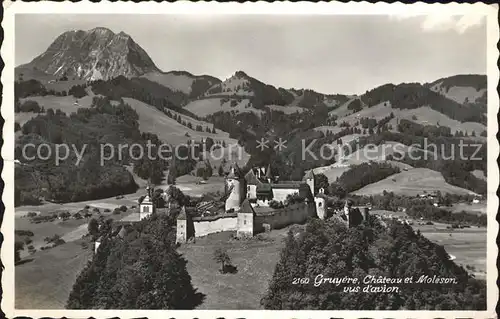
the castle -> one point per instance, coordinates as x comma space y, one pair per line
257, 202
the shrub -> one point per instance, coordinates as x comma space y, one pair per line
21, 232
123, 208
275, 204
221, 256
30, 106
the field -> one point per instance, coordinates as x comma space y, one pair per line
175, 82
48, 80
479, 174
64, 103
332, 172
207, 106
289, 109
342, 110
424, 115
479, 208
467, 245
412, 182
459, 93
44, 280
70, 229
189, 185
170, 131
254, 259
60, 265
376, 153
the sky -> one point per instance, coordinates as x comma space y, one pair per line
329, 54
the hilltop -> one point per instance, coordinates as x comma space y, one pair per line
243, 93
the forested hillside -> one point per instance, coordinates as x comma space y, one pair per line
138, 268
333, 250
103, 124
414, 95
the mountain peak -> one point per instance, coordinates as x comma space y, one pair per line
101, 30
241, 74
95, 54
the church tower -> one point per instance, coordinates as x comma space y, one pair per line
146, 207
182, 227
320, 202
234, 188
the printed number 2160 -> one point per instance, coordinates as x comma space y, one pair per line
300, 281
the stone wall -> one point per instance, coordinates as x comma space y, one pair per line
279, 218
208, 225
280, 194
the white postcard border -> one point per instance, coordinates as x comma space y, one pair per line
185, 7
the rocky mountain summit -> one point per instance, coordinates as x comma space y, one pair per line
95, 54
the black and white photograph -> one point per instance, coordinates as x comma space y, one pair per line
230, 160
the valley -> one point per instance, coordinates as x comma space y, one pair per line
255, 129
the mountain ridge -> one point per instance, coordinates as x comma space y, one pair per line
101, 54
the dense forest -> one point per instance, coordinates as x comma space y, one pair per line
138, 268
358, 176
143, 90
477, 81
86, 130
333, 250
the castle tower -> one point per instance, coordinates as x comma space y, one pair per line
268, 174
181, 229
309, 179
245, 222
146, 207
234, 184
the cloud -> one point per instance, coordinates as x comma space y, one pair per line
444, 22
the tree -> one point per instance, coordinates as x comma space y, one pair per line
208, 171
393, 250
321, 181
172, 172
176, 195
221, 256
93, 227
